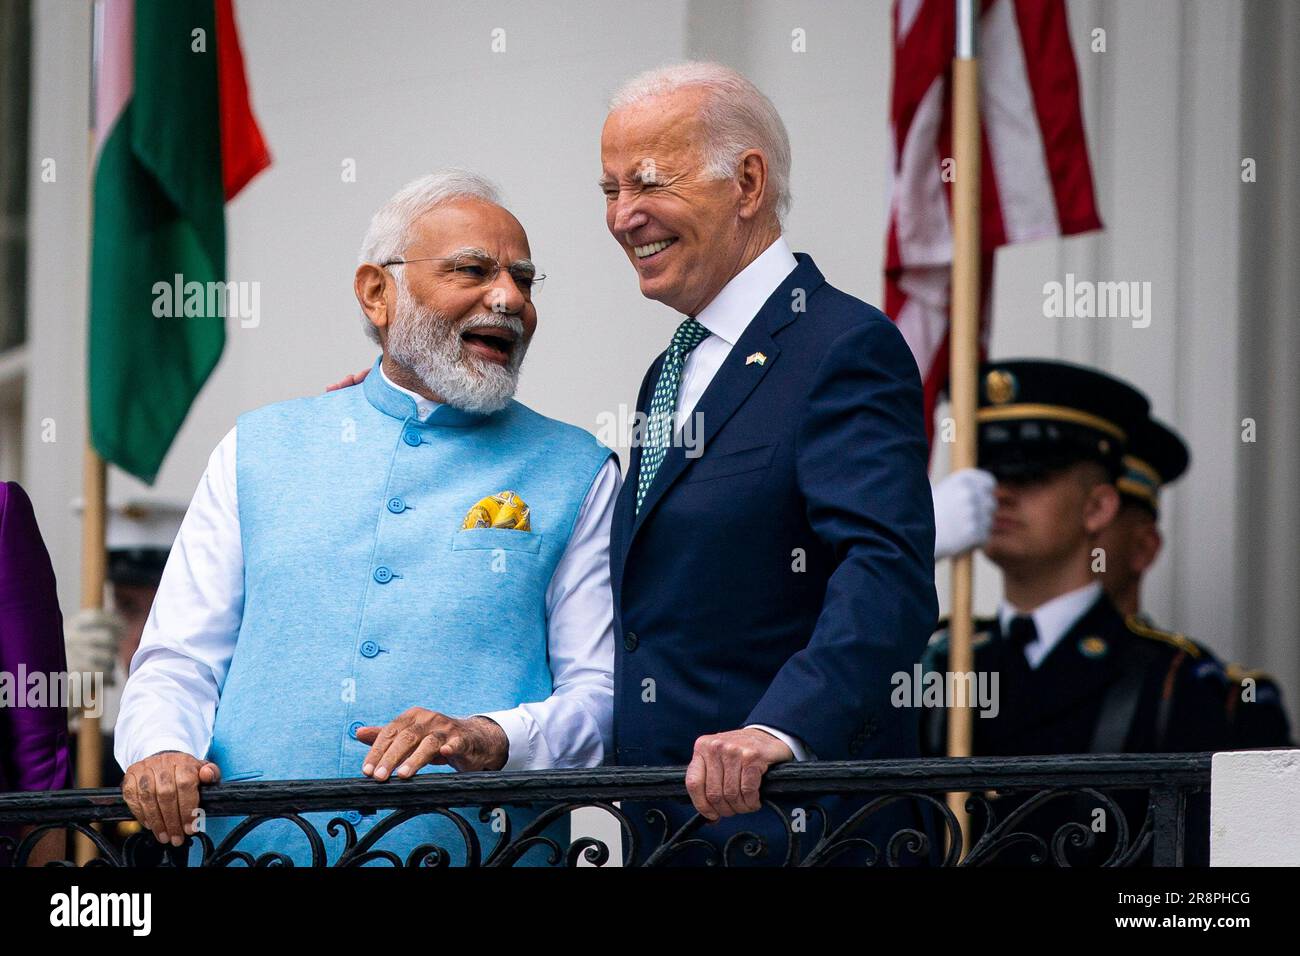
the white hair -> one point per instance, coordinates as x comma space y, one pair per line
736, 117
390, 227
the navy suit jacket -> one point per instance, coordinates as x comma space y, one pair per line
783, 576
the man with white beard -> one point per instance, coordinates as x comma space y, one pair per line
405, 576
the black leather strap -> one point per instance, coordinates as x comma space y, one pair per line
1115, 718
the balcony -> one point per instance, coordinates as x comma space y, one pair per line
1028, 810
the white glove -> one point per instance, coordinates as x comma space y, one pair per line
92, 638
963, 512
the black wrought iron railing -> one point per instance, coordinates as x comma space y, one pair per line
1122, 810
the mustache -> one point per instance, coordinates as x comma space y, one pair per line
493, 320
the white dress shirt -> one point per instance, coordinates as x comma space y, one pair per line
171, 697
1052, 619
726, 318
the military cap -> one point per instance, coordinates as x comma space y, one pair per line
139, 537
1155, 457
1036, 416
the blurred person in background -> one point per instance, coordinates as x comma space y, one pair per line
34, 753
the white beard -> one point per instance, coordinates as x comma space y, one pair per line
427, 343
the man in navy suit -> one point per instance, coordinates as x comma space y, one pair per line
767, 588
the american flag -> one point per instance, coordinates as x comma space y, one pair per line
1036, 179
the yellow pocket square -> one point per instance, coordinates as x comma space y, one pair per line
505, 510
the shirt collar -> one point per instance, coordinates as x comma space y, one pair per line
740, 300
1054, 618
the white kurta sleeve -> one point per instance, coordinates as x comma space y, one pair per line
574, 726
170, 698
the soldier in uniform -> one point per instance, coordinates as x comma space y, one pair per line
1155, 457
1074, 675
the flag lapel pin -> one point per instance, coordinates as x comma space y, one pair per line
758, 357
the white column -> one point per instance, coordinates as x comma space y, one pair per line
59, 244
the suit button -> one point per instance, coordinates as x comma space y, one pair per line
383, 575
411, 437
396, 505
353, 728
369, 649
630, 641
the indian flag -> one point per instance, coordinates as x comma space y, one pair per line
175, 139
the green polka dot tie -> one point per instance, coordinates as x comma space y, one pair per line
663, 404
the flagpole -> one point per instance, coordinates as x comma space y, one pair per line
964, 360
90, 741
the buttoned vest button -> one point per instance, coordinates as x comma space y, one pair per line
396, 505
411, 437
369, 649
353, 728
631, 641
383, 575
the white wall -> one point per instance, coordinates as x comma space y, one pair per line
410, 84
1254, 802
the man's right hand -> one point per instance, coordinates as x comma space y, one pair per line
964, 503
348, 382
163, 792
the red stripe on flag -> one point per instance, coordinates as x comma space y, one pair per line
243, 150
1054, 82
927, 53
993, 228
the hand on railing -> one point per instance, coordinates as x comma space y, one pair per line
726, 771
162, 792
419, 737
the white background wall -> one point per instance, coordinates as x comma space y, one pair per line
1254, 799
402, 86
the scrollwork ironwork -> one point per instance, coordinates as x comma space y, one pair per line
1041, 811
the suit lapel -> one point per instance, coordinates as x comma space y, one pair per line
735, 380
726, 393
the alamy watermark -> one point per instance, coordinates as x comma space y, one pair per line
102, 909
1084, 299
630, 428
67, 689
944, 689
195, 300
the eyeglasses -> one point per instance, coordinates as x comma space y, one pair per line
473, 268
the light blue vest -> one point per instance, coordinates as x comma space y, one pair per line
363, 597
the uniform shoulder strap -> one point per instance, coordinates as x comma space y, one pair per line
1238, 673
1181, 641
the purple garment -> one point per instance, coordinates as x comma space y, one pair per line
33, 740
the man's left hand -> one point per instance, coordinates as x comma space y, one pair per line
419, 737
726, 770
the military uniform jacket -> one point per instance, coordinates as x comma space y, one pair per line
1109, 685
